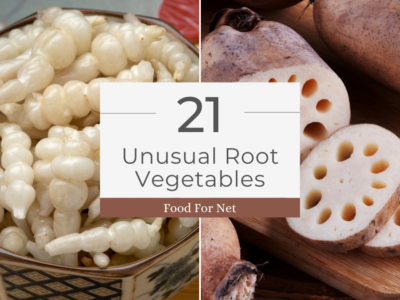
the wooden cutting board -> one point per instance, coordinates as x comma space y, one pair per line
191, 292
354, 273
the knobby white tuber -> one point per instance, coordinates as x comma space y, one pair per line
120, 237
163, 75
85, 68
14, 239
171, 55
17, 193
142, 72
176, 231
128, 43
19, 40
68, 190
55, 48
9, 68
50, 135
41, 254
42, 228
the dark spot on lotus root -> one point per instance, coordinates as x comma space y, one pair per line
240, 19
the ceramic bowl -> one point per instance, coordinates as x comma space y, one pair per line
158, 276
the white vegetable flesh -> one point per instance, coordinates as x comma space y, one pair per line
50, 134
17, 193
346, 182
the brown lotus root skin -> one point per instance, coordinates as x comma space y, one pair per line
223, 274
349, 202
365, 34
241, 47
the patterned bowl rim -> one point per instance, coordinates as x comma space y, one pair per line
120, 270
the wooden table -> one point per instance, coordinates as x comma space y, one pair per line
281, 281
370, 102
191, 292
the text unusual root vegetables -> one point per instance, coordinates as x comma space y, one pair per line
224, 276
349, 188
244, 48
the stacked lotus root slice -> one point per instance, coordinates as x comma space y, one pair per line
350, 192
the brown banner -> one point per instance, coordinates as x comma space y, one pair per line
199, 207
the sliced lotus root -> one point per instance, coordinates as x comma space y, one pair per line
387, 241
324, 103
349, 187
244, 48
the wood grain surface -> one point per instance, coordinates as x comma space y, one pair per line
354, 273
191, 292
281, 281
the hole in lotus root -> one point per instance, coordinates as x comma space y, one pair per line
323, 106
313, 199
380, 166
397, 217
370, 149
320, 172
345, 150
324, 216
316, 131
349, 212
309, 88
378, 185
368, 201
292, 78
273, 80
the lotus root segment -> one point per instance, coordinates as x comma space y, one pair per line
263, 51
349, 188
